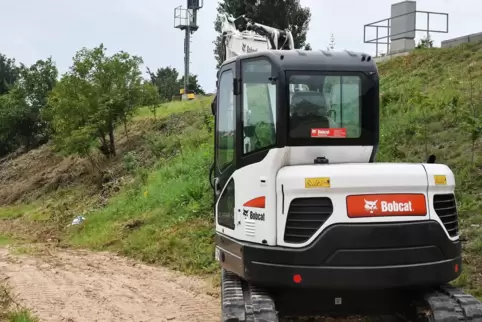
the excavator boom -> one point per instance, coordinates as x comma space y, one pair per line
242, 35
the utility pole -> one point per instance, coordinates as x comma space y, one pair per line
186, 19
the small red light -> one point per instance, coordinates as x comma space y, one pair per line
456, 268
297, 278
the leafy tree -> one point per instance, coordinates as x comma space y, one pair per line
8, 73
166, 80
193, 84
287, 14
35, 84
92, 98
168, 84
151, 97
14, 115
37, 81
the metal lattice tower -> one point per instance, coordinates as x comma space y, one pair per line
186, 19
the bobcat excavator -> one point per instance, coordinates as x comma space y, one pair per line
307, 223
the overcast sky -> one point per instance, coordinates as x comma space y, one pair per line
36, 29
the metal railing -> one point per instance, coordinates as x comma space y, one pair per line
378, 40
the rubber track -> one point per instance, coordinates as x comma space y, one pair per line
242, 302
450, 304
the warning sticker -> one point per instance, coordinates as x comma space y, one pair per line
440, 179
317, 182
328, 133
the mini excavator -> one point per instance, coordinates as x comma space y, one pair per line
307, 222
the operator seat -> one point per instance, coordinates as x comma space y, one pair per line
308, 111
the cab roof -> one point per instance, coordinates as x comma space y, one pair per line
315, 60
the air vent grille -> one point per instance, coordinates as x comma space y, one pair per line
305, 217
446, 208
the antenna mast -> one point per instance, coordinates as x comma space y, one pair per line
186, 19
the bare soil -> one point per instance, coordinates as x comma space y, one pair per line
71, 285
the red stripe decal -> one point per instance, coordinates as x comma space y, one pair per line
259, 202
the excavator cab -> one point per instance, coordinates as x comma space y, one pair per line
275, 99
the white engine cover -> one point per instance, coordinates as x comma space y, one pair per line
280, 177
381, 180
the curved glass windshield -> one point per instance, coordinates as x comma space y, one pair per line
325, 106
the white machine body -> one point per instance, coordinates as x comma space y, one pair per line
264, 190
281, 176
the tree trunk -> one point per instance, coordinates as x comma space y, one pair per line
125, 129
111, 140
104, 148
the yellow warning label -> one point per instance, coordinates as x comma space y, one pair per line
317, 182
440, 179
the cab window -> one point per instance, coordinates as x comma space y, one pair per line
225, 121
325, 106
259, 106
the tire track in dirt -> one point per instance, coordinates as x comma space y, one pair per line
75, 286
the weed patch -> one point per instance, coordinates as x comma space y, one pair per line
11, 311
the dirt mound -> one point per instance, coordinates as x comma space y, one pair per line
81, 286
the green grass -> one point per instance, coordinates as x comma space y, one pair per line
167, 220
164, 216
21, 316
4, 240
16, 211
170, 108
429, 100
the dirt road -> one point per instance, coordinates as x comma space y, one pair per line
79, 286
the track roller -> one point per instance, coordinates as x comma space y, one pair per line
242, 302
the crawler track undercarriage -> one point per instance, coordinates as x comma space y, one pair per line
242, 302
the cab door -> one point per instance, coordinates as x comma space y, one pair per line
225, 150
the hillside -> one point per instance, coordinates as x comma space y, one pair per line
155, 202
431, 104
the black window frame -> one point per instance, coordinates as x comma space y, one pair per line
232, 161
369, 111
274, 72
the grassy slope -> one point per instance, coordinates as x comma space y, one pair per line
161, 208
426, 104
165, 217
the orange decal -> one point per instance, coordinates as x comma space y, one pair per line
256, 203
386, 205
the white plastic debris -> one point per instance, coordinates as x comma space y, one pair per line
78, 220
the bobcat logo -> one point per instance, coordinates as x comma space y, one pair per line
371, 206
245, 213
248, 48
